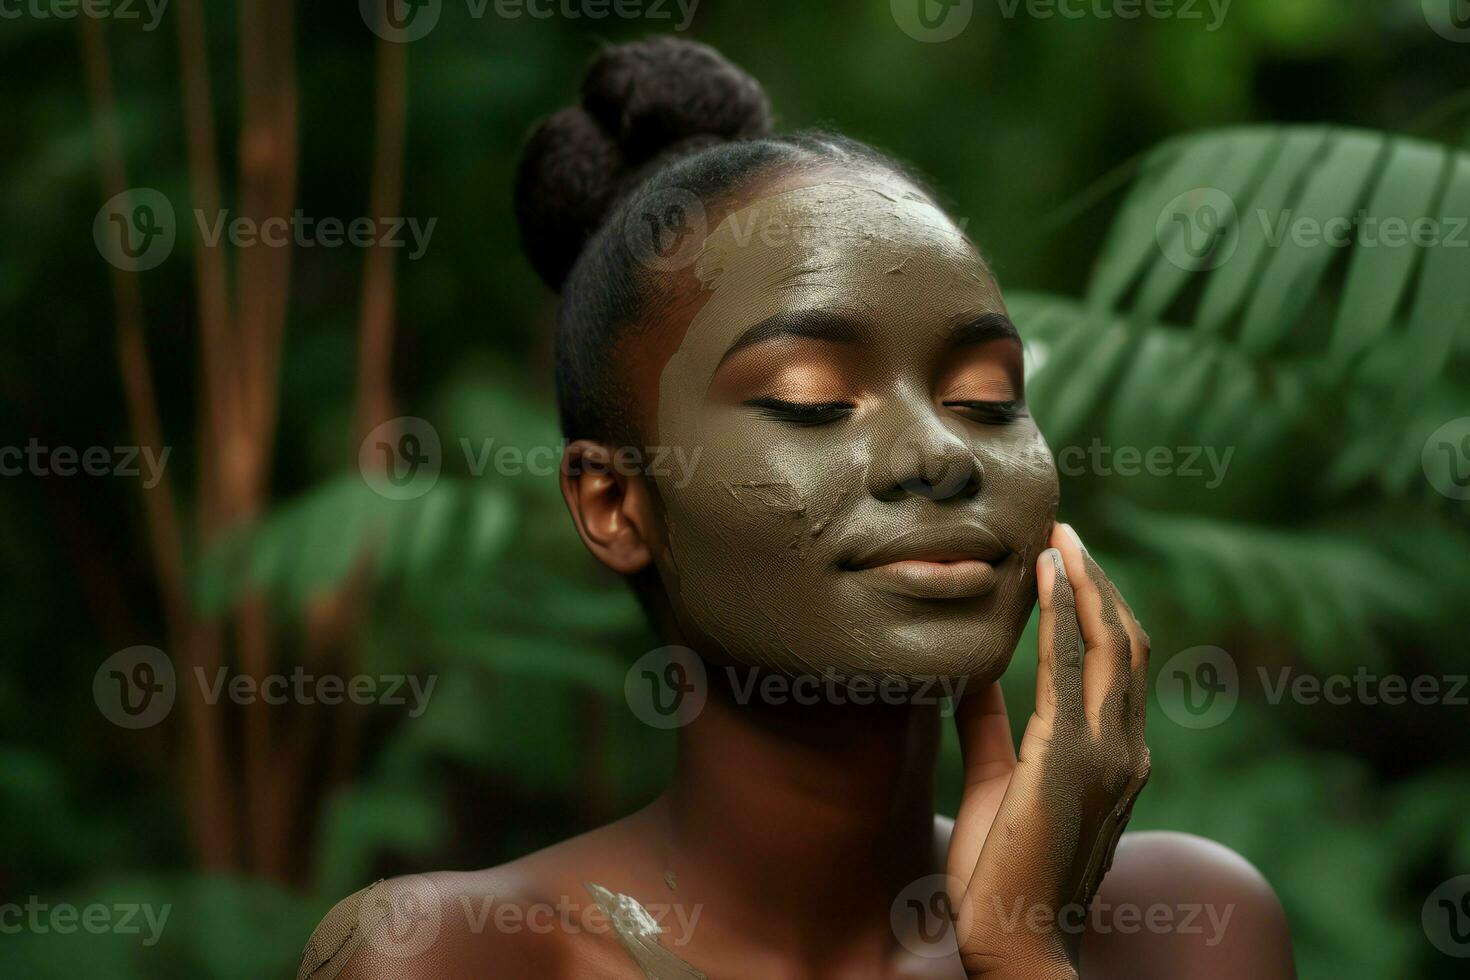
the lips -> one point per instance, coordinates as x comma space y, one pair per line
933, 563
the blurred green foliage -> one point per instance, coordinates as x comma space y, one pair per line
1058, 143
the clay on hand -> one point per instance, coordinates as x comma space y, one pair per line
1036, 832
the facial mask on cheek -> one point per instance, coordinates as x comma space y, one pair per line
746, 563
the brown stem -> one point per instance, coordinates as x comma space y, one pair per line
218, 360
211, 809
268, 175
379, 283
268, 178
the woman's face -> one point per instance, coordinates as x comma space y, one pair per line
869, 495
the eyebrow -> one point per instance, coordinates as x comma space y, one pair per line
982, 329
826, 325
838, 328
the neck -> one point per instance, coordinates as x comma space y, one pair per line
810, 816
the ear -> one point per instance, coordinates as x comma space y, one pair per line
611, 504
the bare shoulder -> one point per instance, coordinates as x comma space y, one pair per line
440, 924
1179, 905
530, 917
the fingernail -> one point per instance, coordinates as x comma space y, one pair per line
1072, 533
1047, 569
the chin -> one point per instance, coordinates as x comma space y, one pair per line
928, 656
973, 639
913, 650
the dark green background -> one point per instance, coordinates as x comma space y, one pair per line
1033, 129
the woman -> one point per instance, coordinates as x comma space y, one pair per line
868, 519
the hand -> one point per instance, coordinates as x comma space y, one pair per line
1035, 834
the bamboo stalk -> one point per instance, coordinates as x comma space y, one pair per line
379, 280
268, 177
210, 807
218, 407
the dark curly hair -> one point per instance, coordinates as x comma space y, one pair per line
659, 120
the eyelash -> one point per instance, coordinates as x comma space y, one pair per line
824, 413
992, 413
800, 413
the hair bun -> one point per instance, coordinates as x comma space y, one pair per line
652, 94
640, 101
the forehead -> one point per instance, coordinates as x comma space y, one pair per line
876, 246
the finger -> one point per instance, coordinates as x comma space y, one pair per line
1116, 605
1135, 705
1059, 650
986, 748
1107, 665
1097, 600
1139, 647
1046, 580
1127, 696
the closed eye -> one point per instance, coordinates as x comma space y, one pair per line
801, 413
991, 413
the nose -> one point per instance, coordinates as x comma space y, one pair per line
925, 458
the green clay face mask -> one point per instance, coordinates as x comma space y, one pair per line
871, 495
